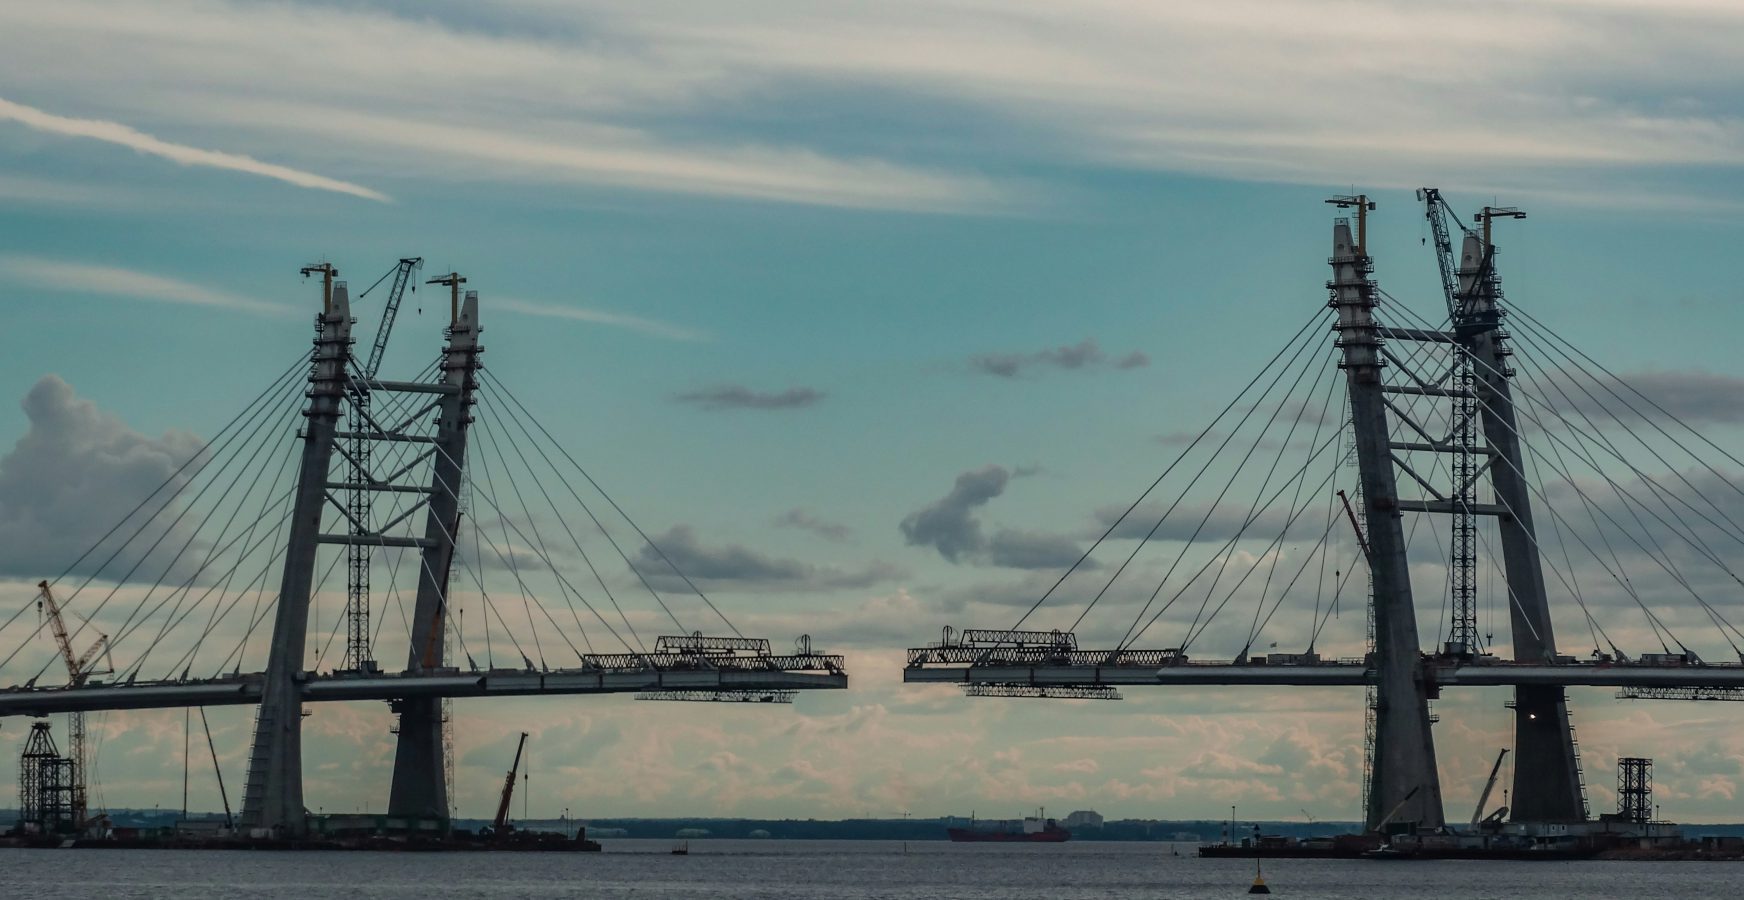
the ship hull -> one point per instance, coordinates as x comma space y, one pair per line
971, 836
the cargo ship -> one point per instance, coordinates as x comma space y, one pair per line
1031, 830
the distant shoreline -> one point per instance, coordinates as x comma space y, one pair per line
897, 829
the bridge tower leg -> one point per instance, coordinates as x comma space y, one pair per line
273, 796
1404, 784
419, 785
1547, 784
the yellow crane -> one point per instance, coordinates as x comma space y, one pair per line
79, 669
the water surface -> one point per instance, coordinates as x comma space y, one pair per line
813, 870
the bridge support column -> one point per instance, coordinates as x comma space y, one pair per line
419, 786
273, 794
1404, 784
1547, 786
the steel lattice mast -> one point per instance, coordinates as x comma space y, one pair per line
358, 555
1461, 442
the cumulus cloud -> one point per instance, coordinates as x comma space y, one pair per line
735, 396
76, 472
805, 521
734, 566
1085, 354
950, 526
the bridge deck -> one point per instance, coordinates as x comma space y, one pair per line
928, 665
791, 673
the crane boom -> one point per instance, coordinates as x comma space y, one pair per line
1484, 798
1437, 211
78, 669
78, 665
402, 278
502, 818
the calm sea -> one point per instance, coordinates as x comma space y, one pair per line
813, 870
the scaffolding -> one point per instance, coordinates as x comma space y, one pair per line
1635, 789
45, 784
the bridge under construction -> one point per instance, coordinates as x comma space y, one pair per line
1397, 454
332, 464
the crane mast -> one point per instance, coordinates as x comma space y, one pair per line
1461, 439
78, 670
358, 553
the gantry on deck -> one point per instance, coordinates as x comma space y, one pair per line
1050, 660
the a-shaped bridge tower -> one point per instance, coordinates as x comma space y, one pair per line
1432, 422
193, 543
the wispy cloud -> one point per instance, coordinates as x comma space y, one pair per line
591, 92
737, 396
1085, 354
600, 317
125, 136
115, 281
801, 519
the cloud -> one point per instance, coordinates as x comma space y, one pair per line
949, 525
1696, 397
122, 135
735, 396
734, 566
1085, 354
654, 97
115, 281
599, 317
76, 472
799, 518
1032, 550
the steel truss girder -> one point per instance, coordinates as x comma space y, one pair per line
349, 686
1347, 673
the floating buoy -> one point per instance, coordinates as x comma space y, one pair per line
1259, 886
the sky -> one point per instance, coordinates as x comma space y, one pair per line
868, 314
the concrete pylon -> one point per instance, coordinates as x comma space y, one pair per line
1547, 784
419, 786
272, 798
1404, 784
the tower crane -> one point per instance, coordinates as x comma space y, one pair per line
357, 553
1462, 636
79, 669
453, 280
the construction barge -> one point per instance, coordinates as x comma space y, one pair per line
51, 817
